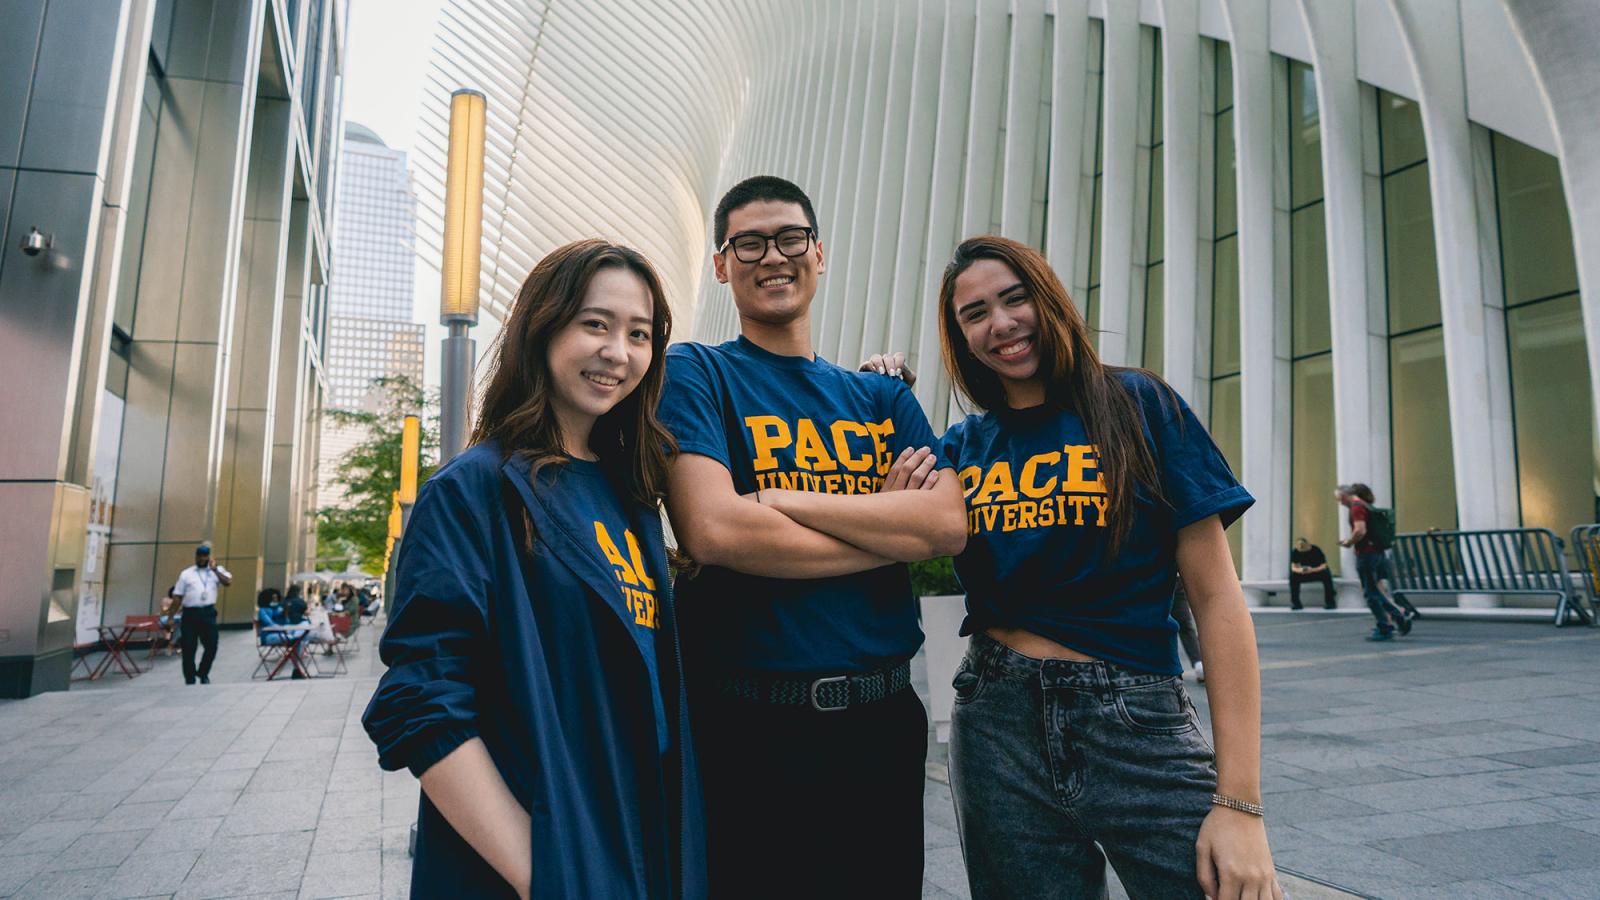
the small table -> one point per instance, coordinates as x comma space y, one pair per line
115, 638
291, 653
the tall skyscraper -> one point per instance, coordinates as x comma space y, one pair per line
162, 338
370, 332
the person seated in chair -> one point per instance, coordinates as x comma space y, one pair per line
1307, 562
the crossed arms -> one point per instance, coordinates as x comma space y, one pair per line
804, 534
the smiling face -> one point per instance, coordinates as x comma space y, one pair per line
999, 322
599, 357
775, 290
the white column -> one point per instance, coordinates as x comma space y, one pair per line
1559, 38
1067, 115
1263, 358
1181, 114
1118, 180
1330, 26
1474, 343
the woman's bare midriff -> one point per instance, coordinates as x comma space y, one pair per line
1029, 644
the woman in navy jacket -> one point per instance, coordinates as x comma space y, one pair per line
533, 682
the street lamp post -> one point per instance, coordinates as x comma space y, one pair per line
463, 238
410, 450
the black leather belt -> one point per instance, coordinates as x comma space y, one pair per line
829, 694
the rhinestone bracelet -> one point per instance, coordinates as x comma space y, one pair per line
1254, 809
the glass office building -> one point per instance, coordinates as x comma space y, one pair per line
370, 332
1346, 231
161, 339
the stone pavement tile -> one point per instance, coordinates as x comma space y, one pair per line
1432, 793
1361, 829
97, 850
1297, 807
148, 874
181, 834
1551, 756
942, 867
1277, 784
121, 779
1357, 724
285, 811
164, 788
341, 875
400, 809
350, 835
1577, 727
1344, 777
272, 776
1574, 806
1455, 890
1499, 689
1556, 781
396, 840
930, 892
44, 837
935, 835
87, 806
24, 808
1511, 740
223, 780
204, 804
1358, 868
16, 871
1461, 765
1592, 826
1575, 884
348, 804
133, 816
77, 884
363, 780
1492, 815
1495, 852
396, 877
295, 747
254, 864
239, 759
1290, 837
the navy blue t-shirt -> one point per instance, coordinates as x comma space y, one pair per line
800, 424
1037, 555
600, 516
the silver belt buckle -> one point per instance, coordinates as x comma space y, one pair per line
815, 685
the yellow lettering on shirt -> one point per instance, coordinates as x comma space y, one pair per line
809, 450
841, 445
1057, 489
633, 578
608, 547
769, 433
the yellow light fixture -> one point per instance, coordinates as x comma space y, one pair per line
394, 516
463, 210
410, 448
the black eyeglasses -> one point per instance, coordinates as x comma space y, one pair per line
751, 246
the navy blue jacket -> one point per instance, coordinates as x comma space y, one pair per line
524, 651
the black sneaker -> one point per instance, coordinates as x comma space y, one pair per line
1378, 634
1405, 625
205, 679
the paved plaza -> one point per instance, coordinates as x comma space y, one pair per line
1462, 762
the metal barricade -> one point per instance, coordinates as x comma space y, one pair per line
1585, 540
1502, 561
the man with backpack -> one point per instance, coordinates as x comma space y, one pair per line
1371, 534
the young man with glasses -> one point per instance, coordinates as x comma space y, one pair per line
787, 493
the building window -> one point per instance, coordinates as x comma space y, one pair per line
1226, 422
1091, 311
1314, 514
1419, 419
1155, 248
1550, 393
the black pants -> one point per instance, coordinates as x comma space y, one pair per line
1297, 579
199, 626
801, 803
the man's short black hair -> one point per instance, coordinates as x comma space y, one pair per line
754, 190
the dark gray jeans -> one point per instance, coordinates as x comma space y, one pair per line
1050, 758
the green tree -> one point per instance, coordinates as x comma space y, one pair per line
358, 529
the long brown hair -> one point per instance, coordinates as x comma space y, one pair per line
629, 440
1074, 377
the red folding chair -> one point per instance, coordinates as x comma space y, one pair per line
150, 627
115, 639
80, 660
267, 655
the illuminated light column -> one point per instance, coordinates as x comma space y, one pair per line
458, 297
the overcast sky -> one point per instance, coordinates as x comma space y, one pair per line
387, 55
